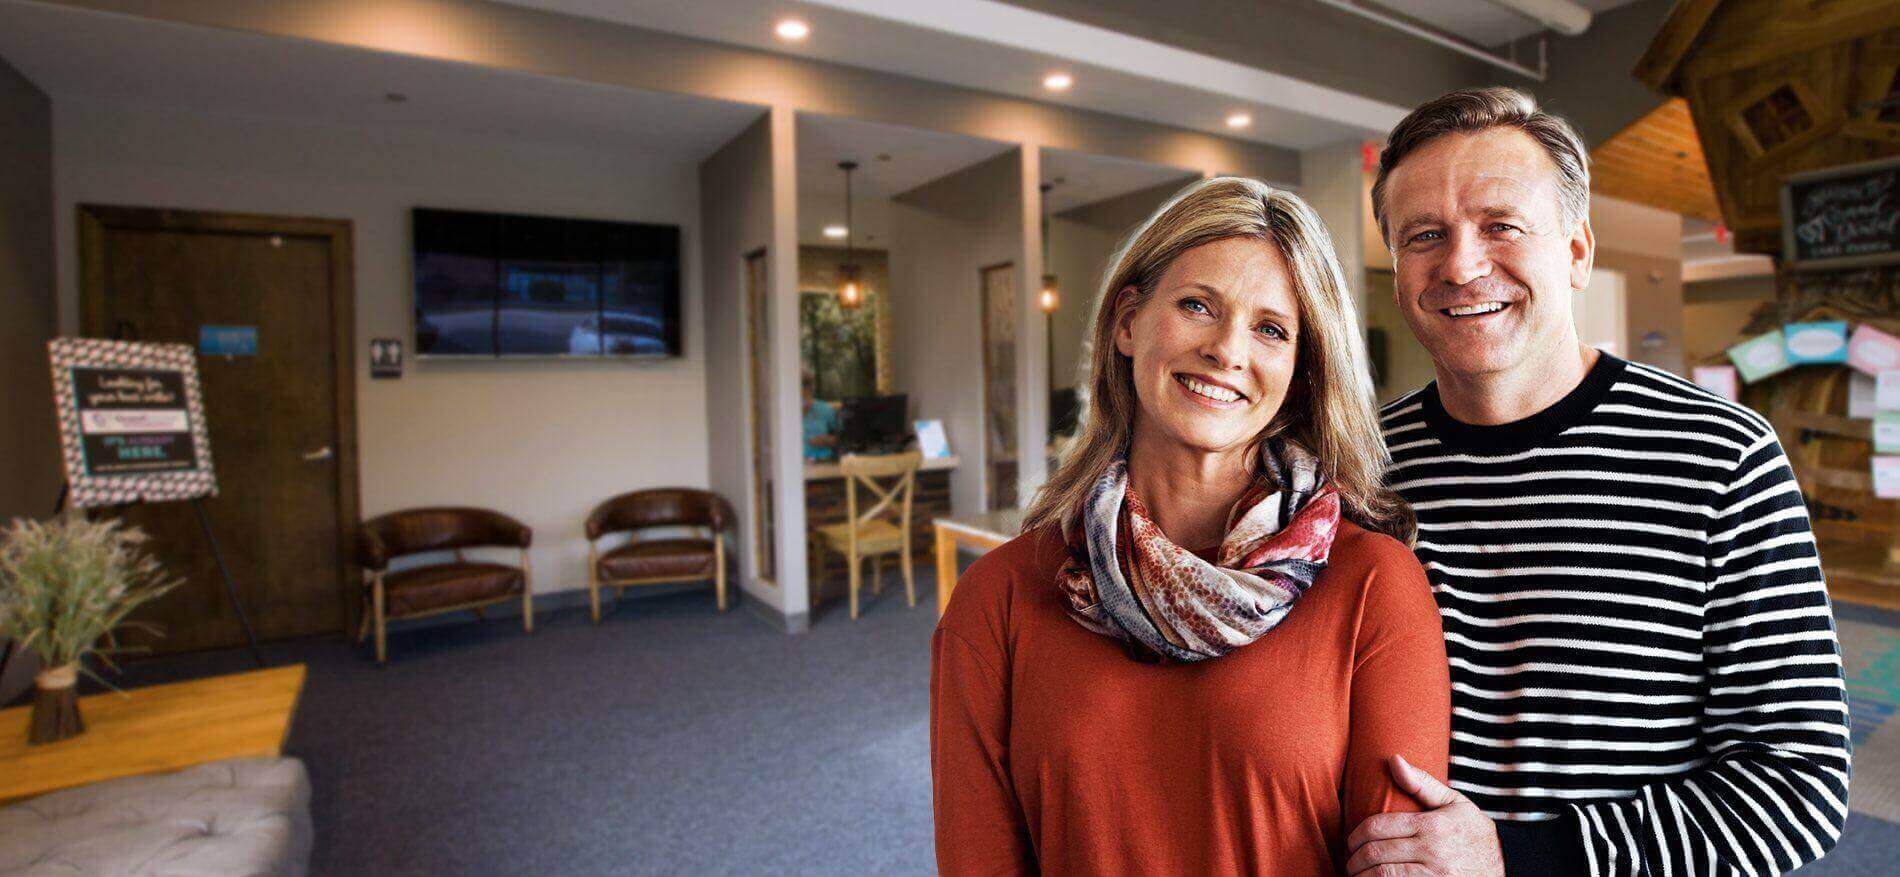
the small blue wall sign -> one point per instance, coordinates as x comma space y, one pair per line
227, 340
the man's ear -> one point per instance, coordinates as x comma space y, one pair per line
1583, 255
1125, 321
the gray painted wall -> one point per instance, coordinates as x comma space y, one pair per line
1590, 82
946, 232
735, 205
29, 304
1295, 38
29, 315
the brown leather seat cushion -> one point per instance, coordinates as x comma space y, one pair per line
448, 584
653, 558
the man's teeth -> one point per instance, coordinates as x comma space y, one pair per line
1470, 310
1209, 390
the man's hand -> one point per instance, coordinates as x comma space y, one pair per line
1451, 838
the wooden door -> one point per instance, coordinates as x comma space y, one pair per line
282, 422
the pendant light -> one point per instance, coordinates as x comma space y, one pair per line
850, 277
1049, 299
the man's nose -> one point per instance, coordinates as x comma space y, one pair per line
1465, 258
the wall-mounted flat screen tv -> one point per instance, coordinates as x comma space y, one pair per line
491, 284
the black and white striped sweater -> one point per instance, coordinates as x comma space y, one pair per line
1640, 637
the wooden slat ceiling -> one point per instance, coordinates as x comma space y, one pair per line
1657, 161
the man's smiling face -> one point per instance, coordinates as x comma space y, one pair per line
1484, 265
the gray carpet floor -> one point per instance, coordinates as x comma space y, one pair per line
669, 739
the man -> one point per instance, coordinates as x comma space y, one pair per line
820, 422
1645, 676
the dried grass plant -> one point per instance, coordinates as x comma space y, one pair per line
67, 585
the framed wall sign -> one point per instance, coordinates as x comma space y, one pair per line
131, 421
1842, 217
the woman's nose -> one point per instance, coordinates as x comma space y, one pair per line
1225, 347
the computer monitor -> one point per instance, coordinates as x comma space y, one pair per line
874, 424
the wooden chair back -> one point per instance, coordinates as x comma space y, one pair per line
891, 478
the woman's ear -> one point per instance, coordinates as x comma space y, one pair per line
1125, 321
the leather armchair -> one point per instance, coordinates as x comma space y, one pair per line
443, 587
643, 561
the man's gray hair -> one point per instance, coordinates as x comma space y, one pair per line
1480, 109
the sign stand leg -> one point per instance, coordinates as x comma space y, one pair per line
230, 589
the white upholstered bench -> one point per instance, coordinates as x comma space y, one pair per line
247, 816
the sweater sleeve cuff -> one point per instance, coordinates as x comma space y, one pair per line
1551, 848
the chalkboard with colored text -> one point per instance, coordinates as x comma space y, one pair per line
1842, 217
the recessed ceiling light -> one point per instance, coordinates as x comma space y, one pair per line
836, 232
1058, 81
793, 29
1239, 120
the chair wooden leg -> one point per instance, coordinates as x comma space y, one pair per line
362, 626
382, 623
593, 581
910, 582
855, 561
527, 594
719, 571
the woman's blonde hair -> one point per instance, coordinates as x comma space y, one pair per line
1329, 404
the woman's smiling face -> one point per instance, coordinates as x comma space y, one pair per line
1214, 348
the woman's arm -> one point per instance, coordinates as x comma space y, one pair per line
980, 826
1401, 687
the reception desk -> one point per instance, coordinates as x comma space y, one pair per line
825, 504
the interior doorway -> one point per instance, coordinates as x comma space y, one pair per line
282, 420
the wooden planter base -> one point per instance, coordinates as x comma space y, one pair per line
56, 706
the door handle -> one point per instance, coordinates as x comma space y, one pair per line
319, 455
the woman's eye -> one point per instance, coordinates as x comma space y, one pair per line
1272, 331
1194, 305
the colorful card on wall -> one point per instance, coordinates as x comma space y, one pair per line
1720, 380
1872, 351
1887, 391
1816, 342
1860, 396
1760, 356
1887, 477
931, 439
1887, 433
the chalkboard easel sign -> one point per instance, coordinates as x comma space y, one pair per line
1842, 217
131, 422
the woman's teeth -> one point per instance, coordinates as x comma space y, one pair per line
1218, 394
1473, 310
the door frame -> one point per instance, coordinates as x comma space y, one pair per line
339, 235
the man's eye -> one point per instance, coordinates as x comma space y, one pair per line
1423, 237
1503, 227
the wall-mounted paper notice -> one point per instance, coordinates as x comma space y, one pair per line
1816, 342
1887, 391
1872, 351
1887, 477
1887, 433
1760, 356
1720, 380
1860, 396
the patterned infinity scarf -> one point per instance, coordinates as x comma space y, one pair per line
1126, 580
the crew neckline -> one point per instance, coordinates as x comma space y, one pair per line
1532, 430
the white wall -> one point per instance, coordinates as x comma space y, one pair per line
1078, 255
945, 233
543, 441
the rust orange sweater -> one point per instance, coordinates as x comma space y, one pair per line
1053, 751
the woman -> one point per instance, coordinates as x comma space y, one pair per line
1210, 637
